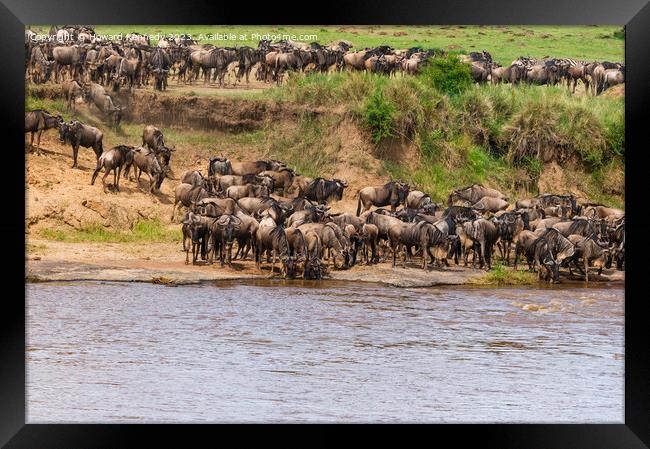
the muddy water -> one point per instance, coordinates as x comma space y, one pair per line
332, 352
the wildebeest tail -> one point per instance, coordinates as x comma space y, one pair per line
359, 205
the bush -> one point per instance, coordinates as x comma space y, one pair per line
377, 115
448, 74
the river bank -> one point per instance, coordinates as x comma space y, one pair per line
164, 263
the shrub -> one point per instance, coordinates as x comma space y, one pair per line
377, 115
448, 74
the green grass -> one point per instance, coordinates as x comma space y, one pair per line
141, 231
505, 43
501, 275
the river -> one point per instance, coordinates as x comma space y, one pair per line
274, 351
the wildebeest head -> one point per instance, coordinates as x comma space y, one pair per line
64, 132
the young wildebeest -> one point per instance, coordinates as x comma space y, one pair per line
114, 159
36, 122
145, 160
199, 231
79, 135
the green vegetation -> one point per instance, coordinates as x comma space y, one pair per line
141, 231
504, 42
448, 75
502, 275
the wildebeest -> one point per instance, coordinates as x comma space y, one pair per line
590, 251
282, 179
195, 178
104, 103
145, 160
422, 235
36, 122
68, 56
490, 204
114, 159
186, 194
473, 194
417, 199
274, 240
152, 137
254, 167
79, 135
199, 230
322, 190
71, 90
222, 234
160, 63
392, 193
248, 190
484, 234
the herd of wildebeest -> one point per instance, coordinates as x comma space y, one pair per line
280, 214
90, 63
267, 207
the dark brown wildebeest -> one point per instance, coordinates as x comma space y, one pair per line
322, 190
114, 159
79, 135
484, 233
537, 251
473, 194
509, 225
222, 234
198, 228
36, 122
392, 193
560, 246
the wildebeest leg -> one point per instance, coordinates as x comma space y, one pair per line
117, 183
38, 141
586, 260
75, 152
107, 170
273, 263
